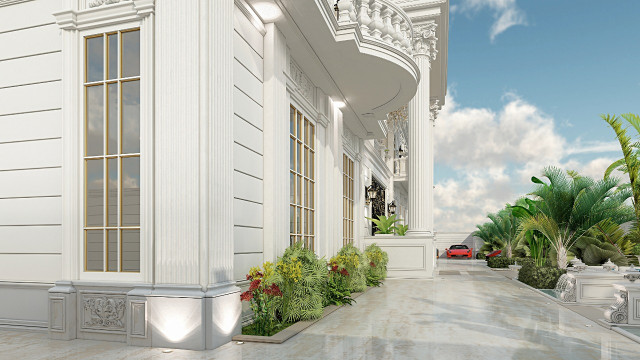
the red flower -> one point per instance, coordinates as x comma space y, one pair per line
248, 277
273, 290
372, 264
334, 268
254, 284
246, 296
344, 272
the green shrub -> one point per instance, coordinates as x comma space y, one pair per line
356, 265
337, 291
376, 269
499, 262
544, 277
481, 256
303, 282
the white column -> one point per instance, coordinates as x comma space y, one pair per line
276, 144
420, 219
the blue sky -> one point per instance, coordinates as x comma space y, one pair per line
527, 83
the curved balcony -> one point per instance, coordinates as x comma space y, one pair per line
365, 46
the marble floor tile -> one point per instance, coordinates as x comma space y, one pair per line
478, 314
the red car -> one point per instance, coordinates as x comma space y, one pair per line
459, 250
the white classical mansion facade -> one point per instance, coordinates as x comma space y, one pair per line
152, 151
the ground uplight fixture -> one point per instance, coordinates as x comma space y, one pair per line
392, 207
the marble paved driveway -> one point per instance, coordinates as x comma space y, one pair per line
466, 312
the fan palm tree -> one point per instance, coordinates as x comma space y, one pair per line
570, 206
500, 232
629, 163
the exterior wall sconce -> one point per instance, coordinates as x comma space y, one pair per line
401, 152
392, 208
370, 194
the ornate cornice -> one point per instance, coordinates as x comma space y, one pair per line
11, 2
424, 40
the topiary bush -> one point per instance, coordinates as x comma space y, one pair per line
544, 277
304, 277
356, 264
481, 256
499, 262
376, 269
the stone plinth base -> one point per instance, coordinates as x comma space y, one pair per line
172, 316
410, 257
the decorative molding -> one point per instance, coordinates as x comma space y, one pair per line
104, 312
434, 109
425, 40
98, 15
350, 141
304, 85
618, 312
96, 3
11, 2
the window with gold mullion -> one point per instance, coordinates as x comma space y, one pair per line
301, 178
348, 202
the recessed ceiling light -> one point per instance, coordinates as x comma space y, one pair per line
339, 104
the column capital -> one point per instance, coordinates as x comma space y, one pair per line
424, 41
434, 109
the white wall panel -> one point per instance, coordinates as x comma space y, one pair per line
247, 239
30, 267
31, 211
29, 14
31, 154
246, 161
31, 41
31, 126
25, 304
32, 69
31, 97
31, 239
247, 82
246, 108
247, 187
243, 52
249, 33
30, 183
243, 262
247, 213
248, 135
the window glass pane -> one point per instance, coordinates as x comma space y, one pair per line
292, 219
112, 145
112, 250
299, 127
95, 120
312, 136
299, 191
94, 250
131, 53
292, 153
131, 191
131, 117
292, 187
112, 192
130, 250
298, 220
292, 120
112, 43
299, 158
311, 195
94, 196
306, 131
306, 161
95, 59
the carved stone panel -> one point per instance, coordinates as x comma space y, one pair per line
304, 84
104, 312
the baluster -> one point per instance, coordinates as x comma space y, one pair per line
363, 16
376, 24
352, 11
344, 7
397, 32
406, 36
387, 30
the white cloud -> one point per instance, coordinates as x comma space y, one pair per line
505, 12
494, 154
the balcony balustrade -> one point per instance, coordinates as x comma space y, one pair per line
380, 20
